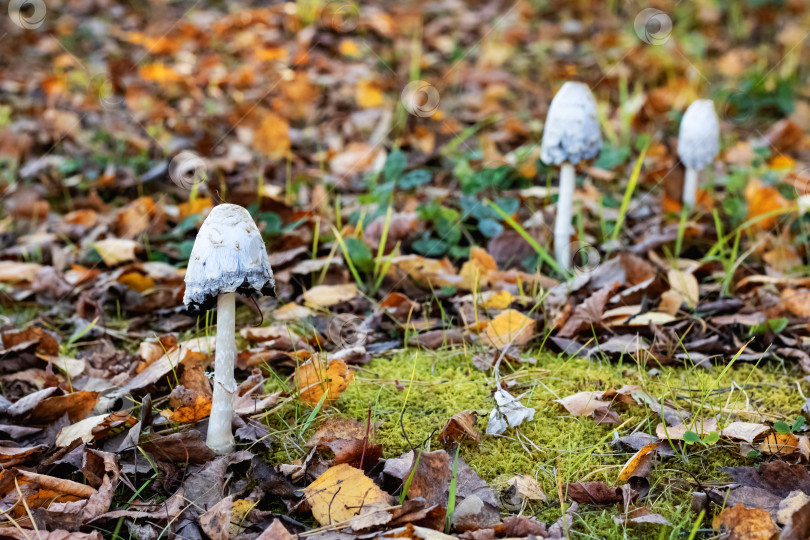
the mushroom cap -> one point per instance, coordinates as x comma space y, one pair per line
571, 132
699, 135
228, 256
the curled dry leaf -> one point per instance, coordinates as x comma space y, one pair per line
460, 426
640, 464
508, 412
343, 492
743, 523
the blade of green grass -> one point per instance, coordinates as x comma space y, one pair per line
541, 251
628, 193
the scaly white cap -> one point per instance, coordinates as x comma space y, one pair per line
571, 132
228, 256
699, 135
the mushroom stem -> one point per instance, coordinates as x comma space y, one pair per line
220, 436
562, 226
690, 184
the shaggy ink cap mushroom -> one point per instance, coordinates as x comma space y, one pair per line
571, 133
229, 255
699, 135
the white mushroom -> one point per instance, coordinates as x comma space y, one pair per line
698, 144
228, 256
571, 134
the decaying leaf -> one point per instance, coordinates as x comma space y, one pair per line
460, 426
508, 412
746, 523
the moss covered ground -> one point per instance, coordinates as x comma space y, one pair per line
418, 391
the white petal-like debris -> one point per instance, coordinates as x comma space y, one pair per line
699, 135
228, 255
571, 132
508, 412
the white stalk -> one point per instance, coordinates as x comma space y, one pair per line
220, 436
690, 184
562, 226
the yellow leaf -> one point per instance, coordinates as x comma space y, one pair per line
368, 94
499, 300
638, 459
348, 47
137, 282
272, 138
191, 208
782, 162
343, 492
313, 379
509, 327
474, 272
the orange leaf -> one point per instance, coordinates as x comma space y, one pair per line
639, 459
746, 523
194, 411
313, 379
762, 200
272, 138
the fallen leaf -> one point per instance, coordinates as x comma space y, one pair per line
508, 412
510, 327
324, 296
685, 284
780, 444
343, 492
14, 272
743, 523
313, 379
114, 251
583, 403
797, 301
460, 426
639, 464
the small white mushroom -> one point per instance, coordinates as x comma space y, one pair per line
698, 144
571, 135
228, 256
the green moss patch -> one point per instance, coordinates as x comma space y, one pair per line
413, 394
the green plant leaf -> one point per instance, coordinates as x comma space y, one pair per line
712, 438
798, 424
690, 437
360, 254
414, 179
395, 166
782, 427
490, 227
